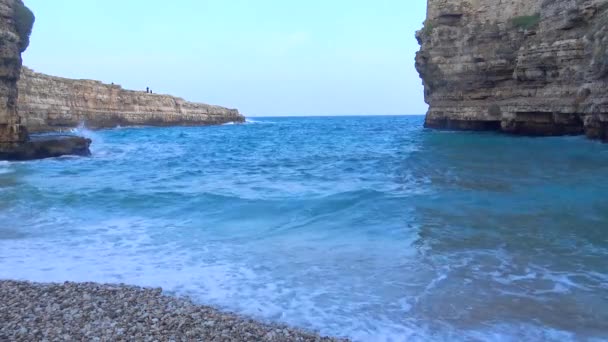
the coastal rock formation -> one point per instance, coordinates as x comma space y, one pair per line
11, 131
530, 67
47, 146
16, 23
50, 103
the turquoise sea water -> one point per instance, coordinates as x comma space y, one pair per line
366, 227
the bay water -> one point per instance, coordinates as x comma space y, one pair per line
372, 228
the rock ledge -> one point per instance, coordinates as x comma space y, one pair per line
40, 147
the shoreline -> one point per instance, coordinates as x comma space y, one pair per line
107, 312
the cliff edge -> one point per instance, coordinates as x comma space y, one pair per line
49, 103
529, 67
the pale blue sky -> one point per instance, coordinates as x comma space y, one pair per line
265, 57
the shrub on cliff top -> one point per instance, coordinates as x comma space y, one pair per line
526, 21
24, 19
428, 27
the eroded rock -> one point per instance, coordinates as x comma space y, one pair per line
40, 147
530, 67
11, 130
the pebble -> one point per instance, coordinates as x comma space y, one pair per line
95, 312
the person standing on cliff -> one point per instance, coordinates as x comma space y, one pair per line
147, 90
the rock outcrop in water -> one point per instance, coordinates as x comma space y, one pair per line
50, 103
530, 67
16, 22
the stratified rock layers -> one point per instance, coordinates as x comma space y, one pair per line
49, 103
530, 67
11, 132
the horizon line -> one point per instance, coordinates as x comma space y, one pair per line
322, 115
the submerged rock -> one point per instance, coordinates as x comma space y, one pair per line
528, 67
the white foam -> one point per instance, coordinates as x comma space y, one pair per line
524, 332
263, 122
5, 167
145, 252
83, 131
179, 257
138, 251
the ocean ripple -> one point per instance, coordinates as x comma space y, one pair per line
368, 227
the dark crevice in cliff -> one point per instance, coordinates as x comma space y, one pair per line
544, 124
449, 19
463, 125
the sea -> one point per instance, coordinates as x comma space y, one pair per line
366, 227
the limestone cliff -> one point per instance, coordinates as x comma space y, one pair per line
533, 67
16, 22
49, 103
11, 131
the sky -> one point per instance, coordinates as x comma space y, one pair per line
264, 57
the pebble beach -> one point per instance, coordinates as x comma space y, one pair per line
96, 312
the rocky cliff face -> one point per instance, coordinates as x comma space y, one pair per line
11, 131
16, 23
49, 103
532, 67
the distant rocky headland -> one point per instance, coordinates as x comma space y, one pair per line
49, 103
529, 67
31, 102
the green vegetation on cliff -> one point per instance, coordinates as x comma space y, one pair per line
24, 19
526, 21
428, 27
